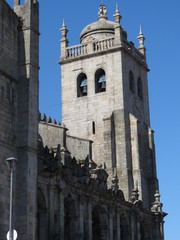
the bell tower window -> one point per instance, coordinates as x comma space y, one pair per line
100, 81
82, 85
140, 89
131, 81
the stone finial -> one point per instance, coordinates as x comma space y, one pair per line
102, 12
157, 205
141, 39
135, 195
54, 121
64, 30
49, 120
43, 118
117, 16
16, 3
115, 182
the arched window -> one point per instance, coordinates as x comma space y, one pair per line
100, 81
140, 88
82, 85
131, 81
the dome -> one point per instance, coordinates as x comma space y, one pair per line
100, 29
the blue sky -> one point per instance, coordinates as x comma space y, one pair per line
160, 22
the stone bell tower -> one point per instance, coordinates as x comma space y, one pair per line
105, 99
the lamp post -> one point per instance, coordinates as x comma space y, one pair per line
11, 163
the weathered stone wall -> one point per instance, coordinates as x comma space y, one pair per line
8, 40
19, 98
52, 134
132, 102
8, 105
79, 148
27, 124
95, 106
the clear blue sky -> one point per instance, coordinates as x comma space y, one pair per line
161, 26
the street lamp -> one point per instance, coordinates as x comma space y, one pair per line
11, 163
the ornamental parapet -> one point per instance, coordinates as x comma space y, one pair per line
98, 47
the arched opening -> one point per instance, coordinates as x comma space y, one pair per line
82, 85
100, 81
70, 219
99, 223
140, 88
131, 82
42, 216
125, 228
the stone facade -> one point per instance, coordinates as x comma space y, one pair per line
94, 177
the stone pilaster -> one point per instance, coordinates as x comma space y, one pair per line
135, 153
118, 226
111, 225
138, 231
132, 227
62, 196
89, 209
51, 211
81, 219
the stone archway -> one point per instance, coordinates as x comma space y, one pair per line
99, 223
70, 219
42, 216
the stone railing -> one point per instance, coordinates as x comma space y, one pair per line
76, 51
85, 49
102, 45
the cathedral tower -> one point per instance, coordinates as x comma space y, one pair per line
105, 89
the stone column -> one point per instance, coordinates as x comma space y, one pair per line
132, 227
62, 196
157, 229
81, 219
110, 226
51, 211
89, 220
162, 230
139, 231
118, 226
103, 229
